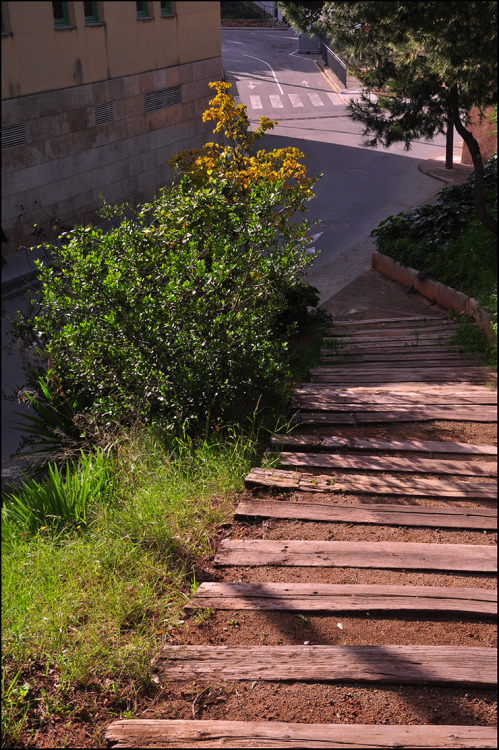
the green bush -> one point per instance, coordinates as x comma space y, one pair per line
446, 242
177, 315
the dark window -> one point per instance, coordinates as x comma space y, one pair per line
60, 11
142, 10
166, 9
91, 14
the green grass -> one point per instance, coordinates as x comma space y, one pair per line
95, 602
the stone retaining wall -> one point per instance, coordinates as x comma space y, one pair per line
440, 293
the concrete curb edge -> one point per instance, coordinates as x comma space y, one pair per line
433, 290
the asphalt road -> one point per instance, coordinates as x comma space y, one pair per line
360, 186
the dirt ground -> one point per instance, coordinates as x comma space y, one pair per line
370, 296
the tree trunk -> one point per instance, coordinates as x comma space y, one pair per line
479, 192
449, 143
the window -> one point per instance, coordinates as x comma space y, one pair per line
166, 9
91, 14
61, 17
142, 10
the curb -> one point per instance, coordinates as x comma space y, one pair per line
443, 295
329, 76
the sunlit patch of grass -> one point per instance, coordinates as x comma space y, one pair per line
95, 602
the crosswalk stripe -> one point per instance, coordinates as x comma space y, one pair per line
336, 99
276, 101
316, 100
256, 102
295, 100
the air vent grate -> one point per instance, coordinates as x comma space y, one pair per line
103, 113
164, 98
14, 135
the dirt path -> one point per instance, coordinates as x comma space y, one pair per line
351, 602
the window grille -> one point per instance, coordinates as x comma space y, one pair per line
163, 98
103, 113
14, 135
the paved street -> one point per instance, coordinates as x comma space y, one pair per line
360, 186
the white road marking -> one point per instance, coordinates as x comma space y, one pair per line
336, 99
316, 100
295, 100
271, 68
276, 101
256, 102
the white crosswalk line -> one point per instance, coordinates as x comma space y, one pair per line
295, 100
276, 101
316, 100
336, 99
256, 102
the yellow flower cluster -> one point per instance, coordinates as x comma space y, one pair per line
234, 160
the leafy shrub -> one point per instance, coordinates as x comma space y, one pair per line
174, 318
446, 242
182, 313
239, 10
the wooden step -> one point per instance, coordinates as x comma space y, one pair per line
404, 387
386, 382
386, 348
356, 358
317, 400
409, 321
437, 378
389, 463
324, 597
316, 442
376, 370
378, 513
180, 733
404, 338
447, 665
356, 414
386, 555
294, 480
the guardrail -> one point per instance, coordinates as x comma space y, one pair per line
334, 62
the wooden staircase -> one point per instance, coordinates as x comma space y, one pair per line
381, 372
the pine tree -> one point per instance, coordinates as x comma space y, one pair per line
428, 62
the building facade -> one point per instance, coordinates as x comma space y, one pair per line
96, 97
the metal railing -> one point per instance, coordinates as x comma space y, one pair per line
334, 62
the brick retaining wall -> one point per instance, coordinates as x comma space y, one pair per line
440, 293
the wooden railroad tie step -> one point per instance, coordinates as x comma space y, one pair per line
404, 388
333, 442
376, 513
403, 359
181, 733
359, 414
322, 398
448, 665
407, 321
428, 379
479, 558
308, 597
295, 480
390, 463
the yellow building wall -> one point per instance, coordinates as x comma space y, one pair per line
120, 46
59, 153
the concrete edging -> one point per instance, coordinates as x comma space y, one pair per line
440, 293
